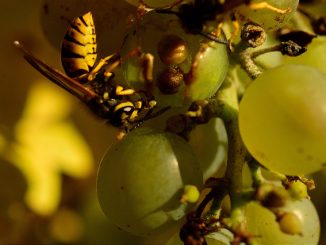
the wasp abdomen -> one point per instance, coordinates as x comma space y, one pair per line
78, 51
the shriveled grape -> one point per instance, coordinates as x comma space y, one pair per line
312, 57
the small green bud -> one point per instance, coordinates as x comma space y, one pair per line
190, 194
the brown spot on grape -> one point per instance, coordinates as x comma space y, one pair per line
122, 188
300, 150
128, 226
309, 158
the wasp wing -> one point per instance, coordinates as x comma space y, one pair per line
71, 85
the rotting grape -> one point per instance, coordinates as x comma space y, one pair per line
141, 179
203, 62
172, 49
282, 120
312, 57
268, 18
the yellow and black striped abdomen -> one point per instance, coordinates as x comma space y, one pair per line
78, 51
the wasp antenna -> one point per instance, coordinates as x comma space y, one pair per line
21, 47
158, 113
213, 38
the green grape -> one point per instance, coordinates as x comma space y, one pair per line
312, 57
152, 3
141, 179
269, 19
262, 223
203, 63
207, 72
209, 142
282, 117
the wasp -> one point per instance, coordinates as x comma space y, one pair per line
93, 82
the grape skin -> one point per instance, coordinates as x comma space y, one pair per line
282, 120
140, 180
261, 222
209, 142
268, 19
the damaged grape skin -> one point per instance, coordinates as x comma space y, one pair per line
269, 19
207, 72
204, 67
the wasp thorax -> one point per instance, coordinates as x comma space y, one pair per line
169, 80
172, 49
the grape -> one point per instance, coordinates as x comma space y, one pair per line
208, 71
204, 63
282, 117
312, 57
269, 19
141, 179
261, 223
209, 142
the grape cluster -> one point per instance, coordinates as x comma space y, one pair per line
218, 121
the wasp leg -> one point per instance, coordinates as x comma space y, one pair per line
133, 116
98, 67
108, 70
198, 111
266, 5
235, 31
218, 29
121, 91
138, 104
121, 134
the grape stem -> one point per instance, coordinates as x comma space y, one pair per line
256, 174
237, 152
245, 56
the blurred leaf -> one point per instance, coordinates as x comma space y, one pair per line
48, 144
